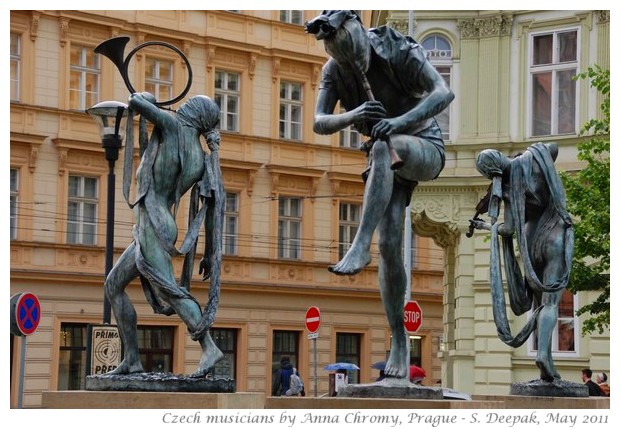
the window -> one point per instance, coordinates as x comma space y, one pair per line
226, 341
440, 56
289, 228
231, 223
14, 193
349, 223
82, 210
292, 16
72, 358
285, 343
565, 333
349, 137
553, 64
348, 350
415, 350
155, 348
290, 110
227, 87
15, 65
159, 78
84, 78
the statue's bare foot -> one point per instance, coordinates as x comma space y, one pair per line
210, 357
352, 263
127, 368
547, 370
396, 365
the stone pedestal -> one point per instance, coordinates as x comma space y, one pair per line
390, 388
558, 388
158, 382
151, 400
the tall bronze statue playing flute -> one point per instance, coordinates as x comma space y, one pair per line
391, 93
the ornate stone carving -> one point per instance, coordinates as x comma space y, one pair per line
445, 234
602, 16
32, 158
34, 25
252, 65
276, 69
494, 26
64, 30
467, 27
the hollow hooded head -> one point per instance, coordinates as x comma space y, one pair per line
344, 37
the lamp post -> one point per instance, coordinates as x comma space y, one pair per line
111, 117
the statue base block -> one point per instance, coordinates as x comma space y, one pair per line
83, 399
557, 388
390, 388
158, 382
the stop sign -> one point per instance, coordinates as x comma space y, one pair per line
313, 319
413, 316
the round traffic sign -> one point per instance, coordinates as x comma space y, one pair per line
25, 313
313, 319
413, 316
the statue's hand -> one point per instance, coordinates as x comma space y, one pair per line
369, 111
386, 127
480, 224
148, 97
205, 269
213, 139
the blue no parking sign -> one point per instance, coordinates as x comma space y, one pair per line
25, 314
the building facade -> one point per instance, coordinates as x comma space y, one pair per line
293, 197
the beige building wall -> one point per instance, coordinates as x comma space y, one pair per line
260, 293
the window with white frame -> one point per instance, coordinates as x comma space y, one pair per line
291, 98
292, 16
82, 210
553, 92
349, 222
231, 224
159, 78
440, 56
15, 65
565, 331
227, 95
14, 194
350, 137
83, 78
289, 228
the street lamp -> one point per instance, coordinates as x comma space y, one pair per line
111, 117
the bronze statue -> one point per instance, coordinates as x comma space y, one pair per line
172, 162
391, 93
535, 214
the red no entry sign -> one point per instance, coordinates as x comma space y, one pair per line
313, 319
25, 314
413, 316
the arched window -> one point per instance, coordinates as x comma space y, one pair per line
440, 56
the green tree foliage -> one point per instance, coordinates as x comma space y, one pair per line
587, 194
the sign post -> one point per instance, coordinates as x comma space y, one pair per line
25, 318
313, 323
413, 317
